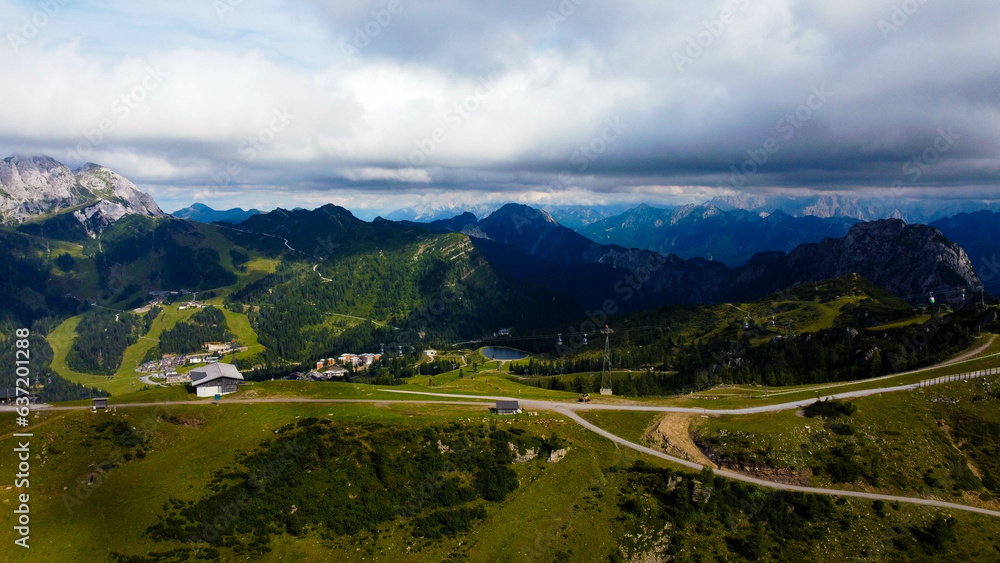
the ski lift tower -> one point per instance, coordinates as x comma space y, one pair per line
606, 368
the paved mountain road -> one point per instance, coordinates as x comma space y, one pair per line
551, 405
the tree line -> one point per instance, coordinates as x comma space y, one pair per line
102, 338
346, 480
207, 325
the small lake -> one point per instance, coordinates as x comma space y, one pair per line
500, 353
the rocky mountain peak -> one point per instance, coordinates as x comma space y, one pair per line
912, 261
28, 182
33, 186
523, 214
111, 186
536, 232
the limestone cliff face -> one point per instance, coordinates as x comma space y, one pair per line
111, 186
31, 186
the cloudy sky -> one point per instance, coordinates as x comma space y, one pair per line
394, 103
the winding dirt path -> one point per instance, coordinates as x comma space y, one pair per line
968, 354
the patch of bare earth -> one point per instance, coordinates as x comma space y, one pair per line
672, 436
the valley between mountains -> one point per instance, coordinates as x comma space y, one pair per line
704, 380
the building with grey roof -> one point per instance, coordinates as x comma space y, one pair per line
507, 407
215, 379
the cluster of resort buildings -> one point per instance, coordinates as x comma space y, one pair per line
357, 360
218, 378
213, 379
330, 368
166, 367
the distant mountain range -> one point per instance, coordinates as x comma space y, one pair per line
731, 237
578, 217
910, 260
201, 213
863, 209
572, 216
656, 256
34, 186
427, 213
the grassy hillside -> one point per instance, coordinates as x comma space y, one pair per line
182, 450
840, 334
810, 308
48, 277
938, 442
32, 287
437, 287
594, 504
846, 301
125, 379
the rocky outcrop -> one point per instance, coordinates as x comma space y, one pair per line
700, 493
786, 475
97, 217
527, 456
557, 455
31, 186
979, 234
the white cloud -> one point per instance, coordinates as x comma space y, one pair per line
410, 175
487, 98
